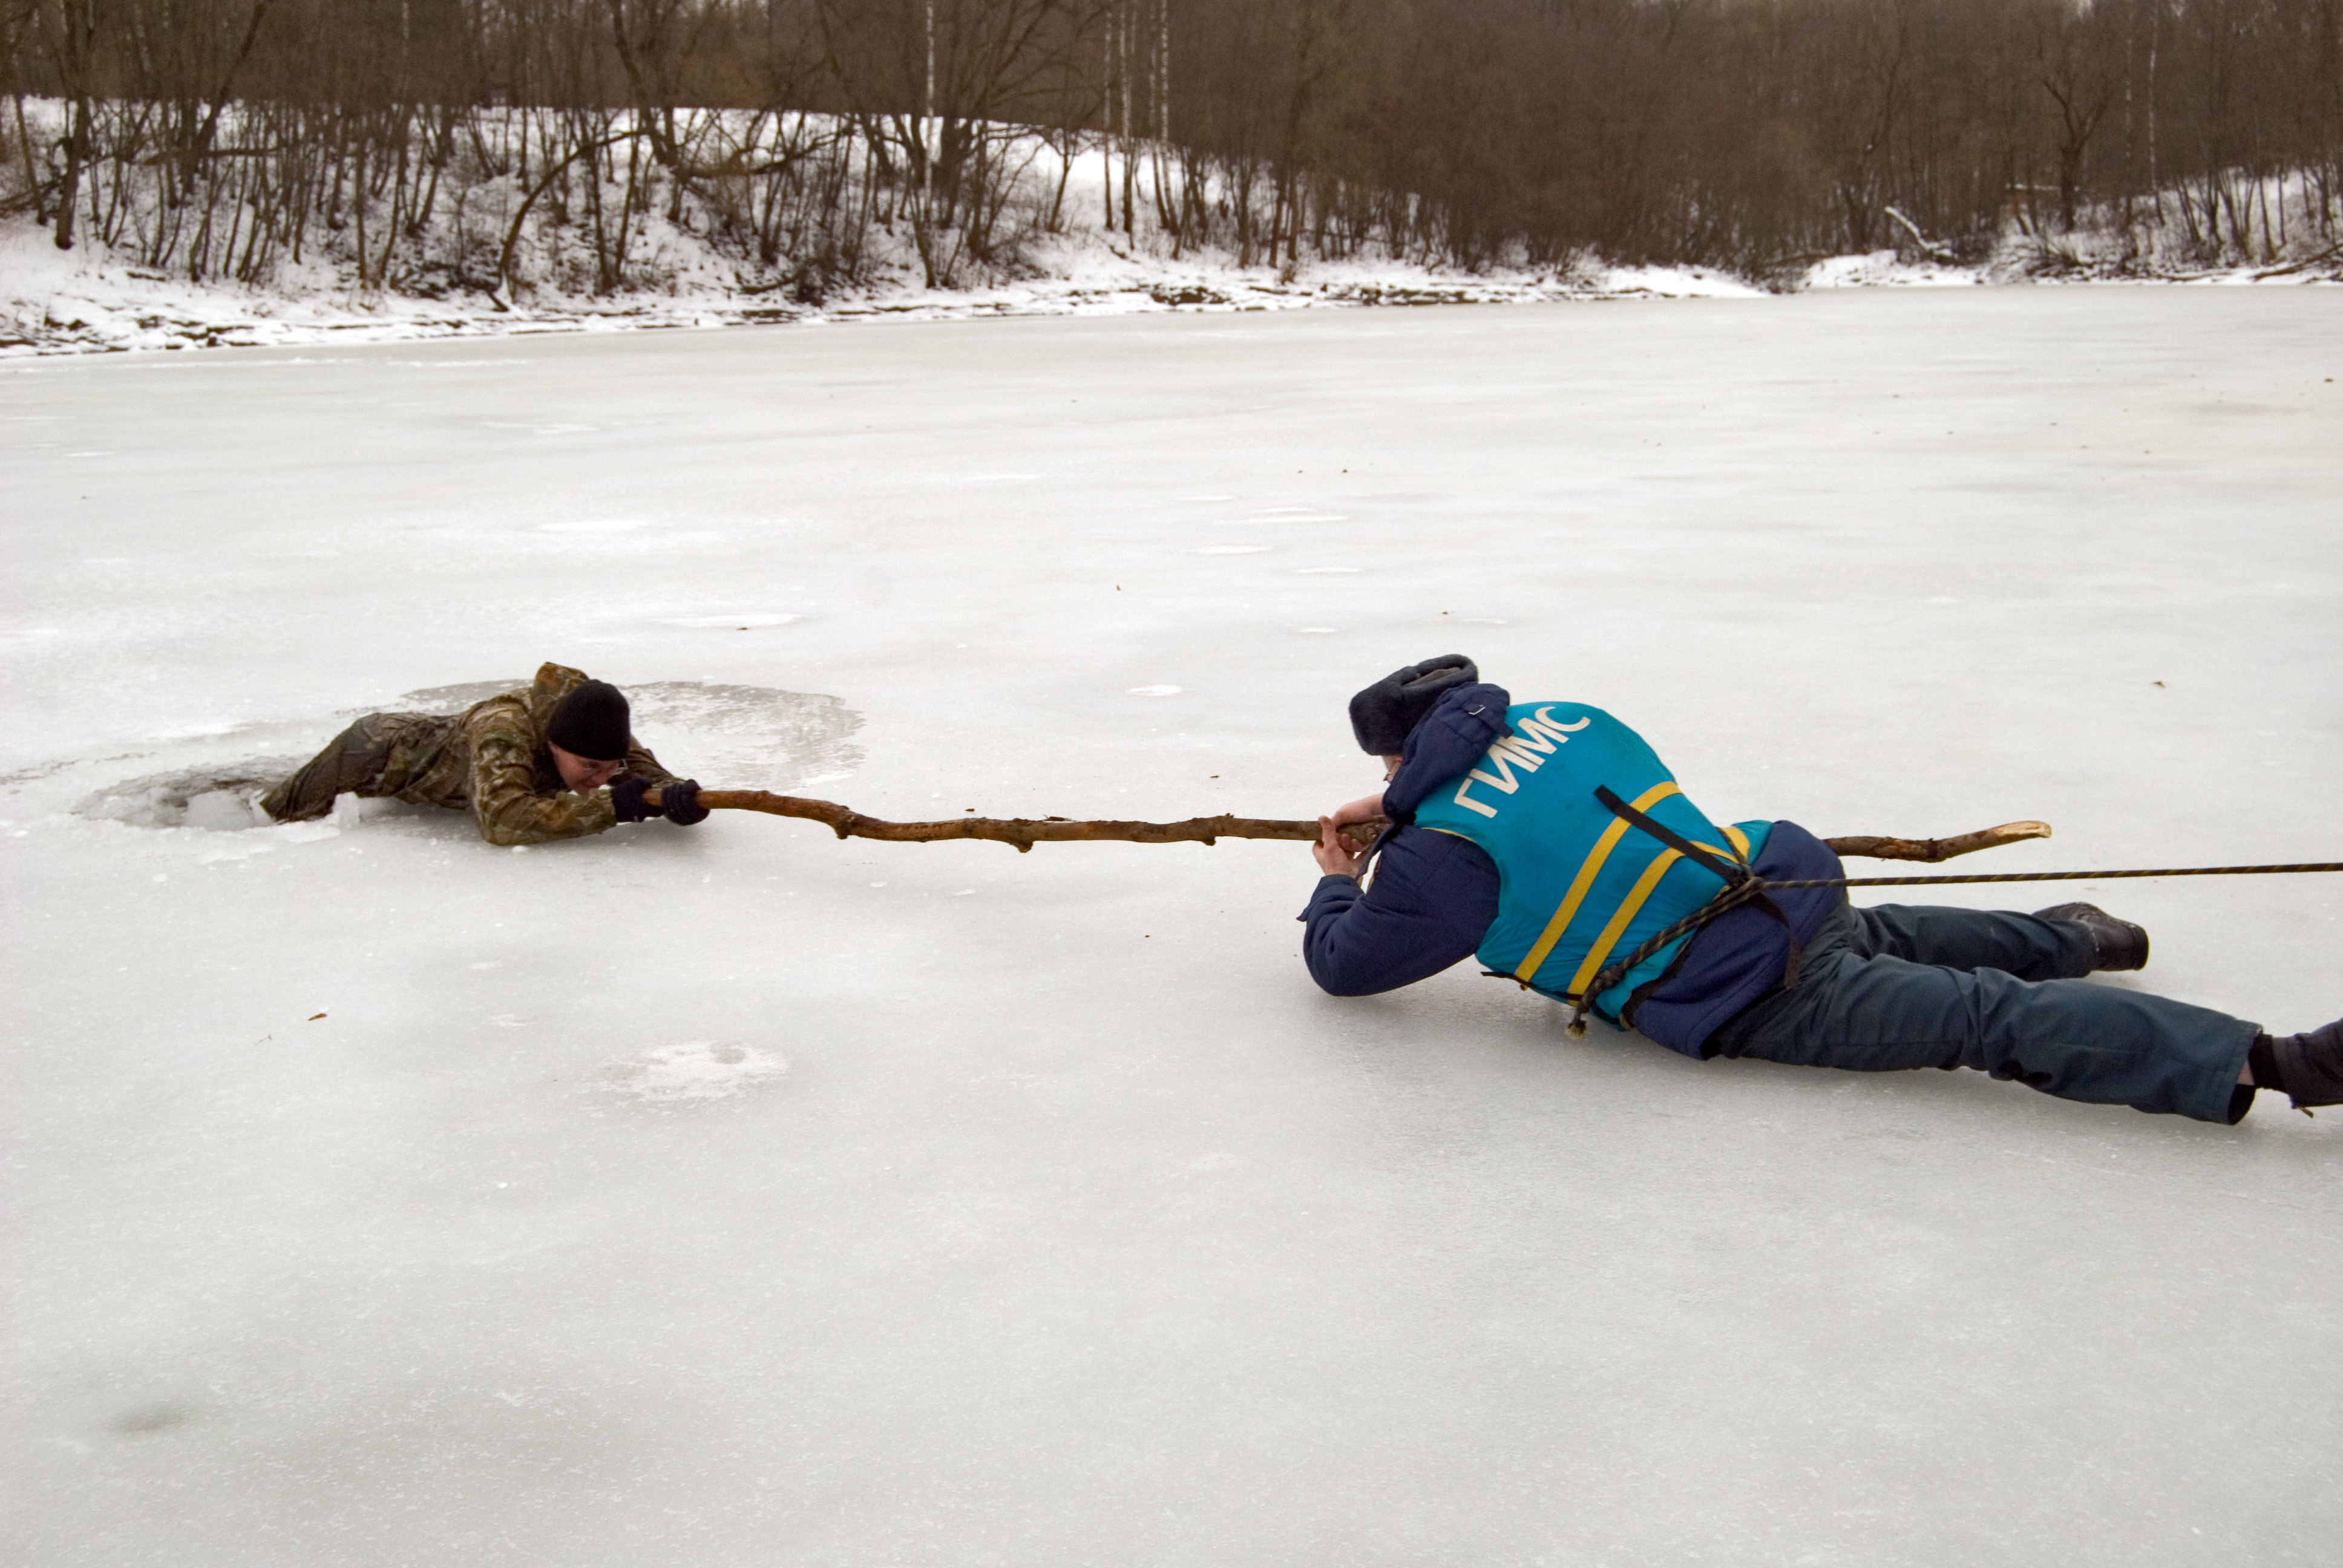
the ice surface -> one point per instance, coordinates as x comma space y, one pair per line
226, 811
381, 1196
699, 1070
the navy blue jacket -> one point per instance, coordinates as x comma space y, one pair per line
1434, 894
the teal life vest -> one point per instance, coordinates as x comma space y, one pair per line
1580, 884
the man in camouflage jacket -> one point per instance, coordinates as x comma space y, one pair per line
500, 760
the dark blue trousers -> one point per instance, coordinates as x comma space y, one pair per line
1902, 986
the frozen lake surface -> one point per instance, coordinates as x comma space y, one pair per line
740, 1196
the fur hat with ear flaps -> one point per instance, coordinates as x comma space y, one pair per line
1381, 715
593, 722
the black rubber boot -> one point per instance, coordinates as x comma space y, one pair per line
2119, 944
2306, 1068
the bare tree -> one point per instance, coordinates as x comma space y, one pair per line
443, 144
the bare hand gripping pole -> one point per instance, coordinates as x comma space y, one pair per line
1027, 832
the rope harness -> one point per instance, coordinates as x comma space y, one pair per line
1743, 886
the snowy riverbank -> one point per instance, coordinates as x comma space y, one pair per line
89, 301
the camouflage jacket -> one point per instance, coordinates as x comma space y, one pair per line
492, 759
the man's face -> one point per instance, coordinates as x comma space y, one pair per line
583, 774
1390, 767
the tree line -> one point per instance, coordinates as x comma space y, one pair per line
491, 145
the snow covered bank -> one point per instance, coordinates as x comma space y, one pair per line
84, 302
81, 302
493, 250
379, 1197
540, 224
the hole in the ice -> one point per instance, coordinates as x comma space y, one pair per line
223, 811
221, 798
727, 736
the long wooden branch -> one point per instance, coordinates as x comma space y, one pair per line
1027, 832
1932, 850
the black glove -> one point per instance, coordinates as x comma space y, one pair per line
627, 800
680, 798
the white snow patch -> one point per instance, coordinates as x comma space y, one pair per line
1676, 282
595, 525
696, 1069
1155, 690
1883, 269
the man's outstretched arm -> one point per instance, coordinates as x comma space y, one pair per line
642, 765
1432, 898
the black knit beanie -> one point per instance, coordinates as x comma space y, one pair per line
1381, 715
591, 722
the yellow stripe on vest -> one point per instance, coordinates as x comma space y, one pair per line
1634, 903
1739, 840
1588, 869
1620, 920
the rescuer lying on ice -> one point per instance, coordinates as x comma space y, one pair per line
1548, 838
529, 765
